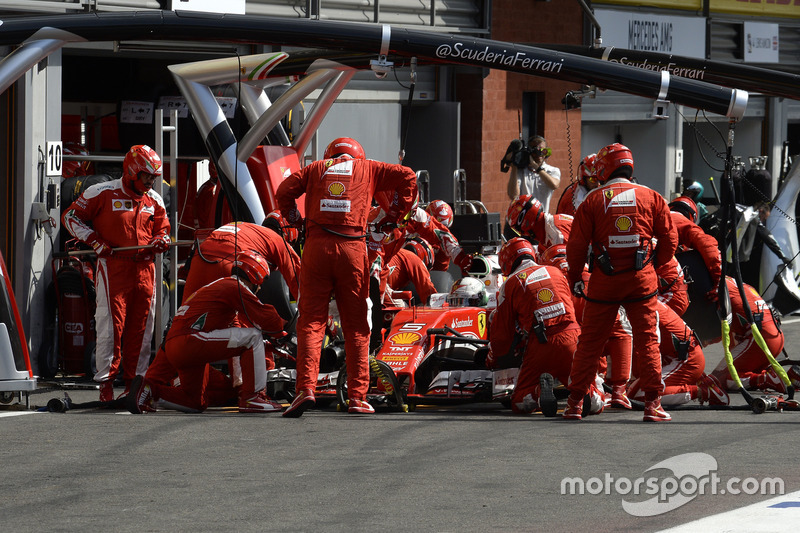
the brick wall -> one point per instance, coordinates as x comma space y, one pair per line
557, 21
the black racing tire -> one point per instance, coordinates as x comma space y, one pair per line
377, 393
47, 362
275, 291
90, 360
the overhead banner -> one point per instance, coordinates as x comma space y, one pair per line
761, 43
694, 5
646, 32
764, 8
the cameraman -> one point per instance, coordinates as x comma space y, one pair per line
533, 175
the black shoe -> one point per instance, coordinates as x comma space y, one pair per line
547, 400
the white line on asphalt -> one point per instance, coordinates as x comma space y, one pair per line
17, 413
782, 510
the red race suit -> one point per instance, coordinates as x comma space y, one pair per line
535, 294
571, 198
692, 236
112, 213
338, 196
620, 220
215, 255
406, 267
201, 333
682, 359
748, 357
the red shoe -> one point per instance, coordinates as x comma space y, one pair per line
573, 410
303, 400
547, 400
653, 412
259, 403
360, 407
709, 390
140, 398
595, 400
770, 380
619, 398
107, 390
125, 393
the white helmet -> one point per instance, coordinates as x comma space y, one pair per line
468, 292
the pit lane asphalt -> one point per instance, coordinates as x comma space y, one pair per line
469, 468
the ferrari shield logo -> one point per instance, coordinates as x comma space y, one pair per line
609, 194
482, 325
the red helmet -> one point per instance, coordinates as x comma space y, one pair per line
71, 169
586, 170
422, 249
441, 211
513, 250
253, 265
613, 159
685, 206
141, 158
276, 222
523, 213
555, 256
344, 147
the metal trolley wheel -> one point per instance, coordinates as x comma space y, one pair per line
384, 389
6, 397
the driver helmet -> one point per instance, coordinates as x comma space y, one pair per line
468, 292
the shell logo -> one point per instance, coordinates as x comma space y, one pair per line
405, 338
336, 188
117, 204
609, 194
624, 223
545, 296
